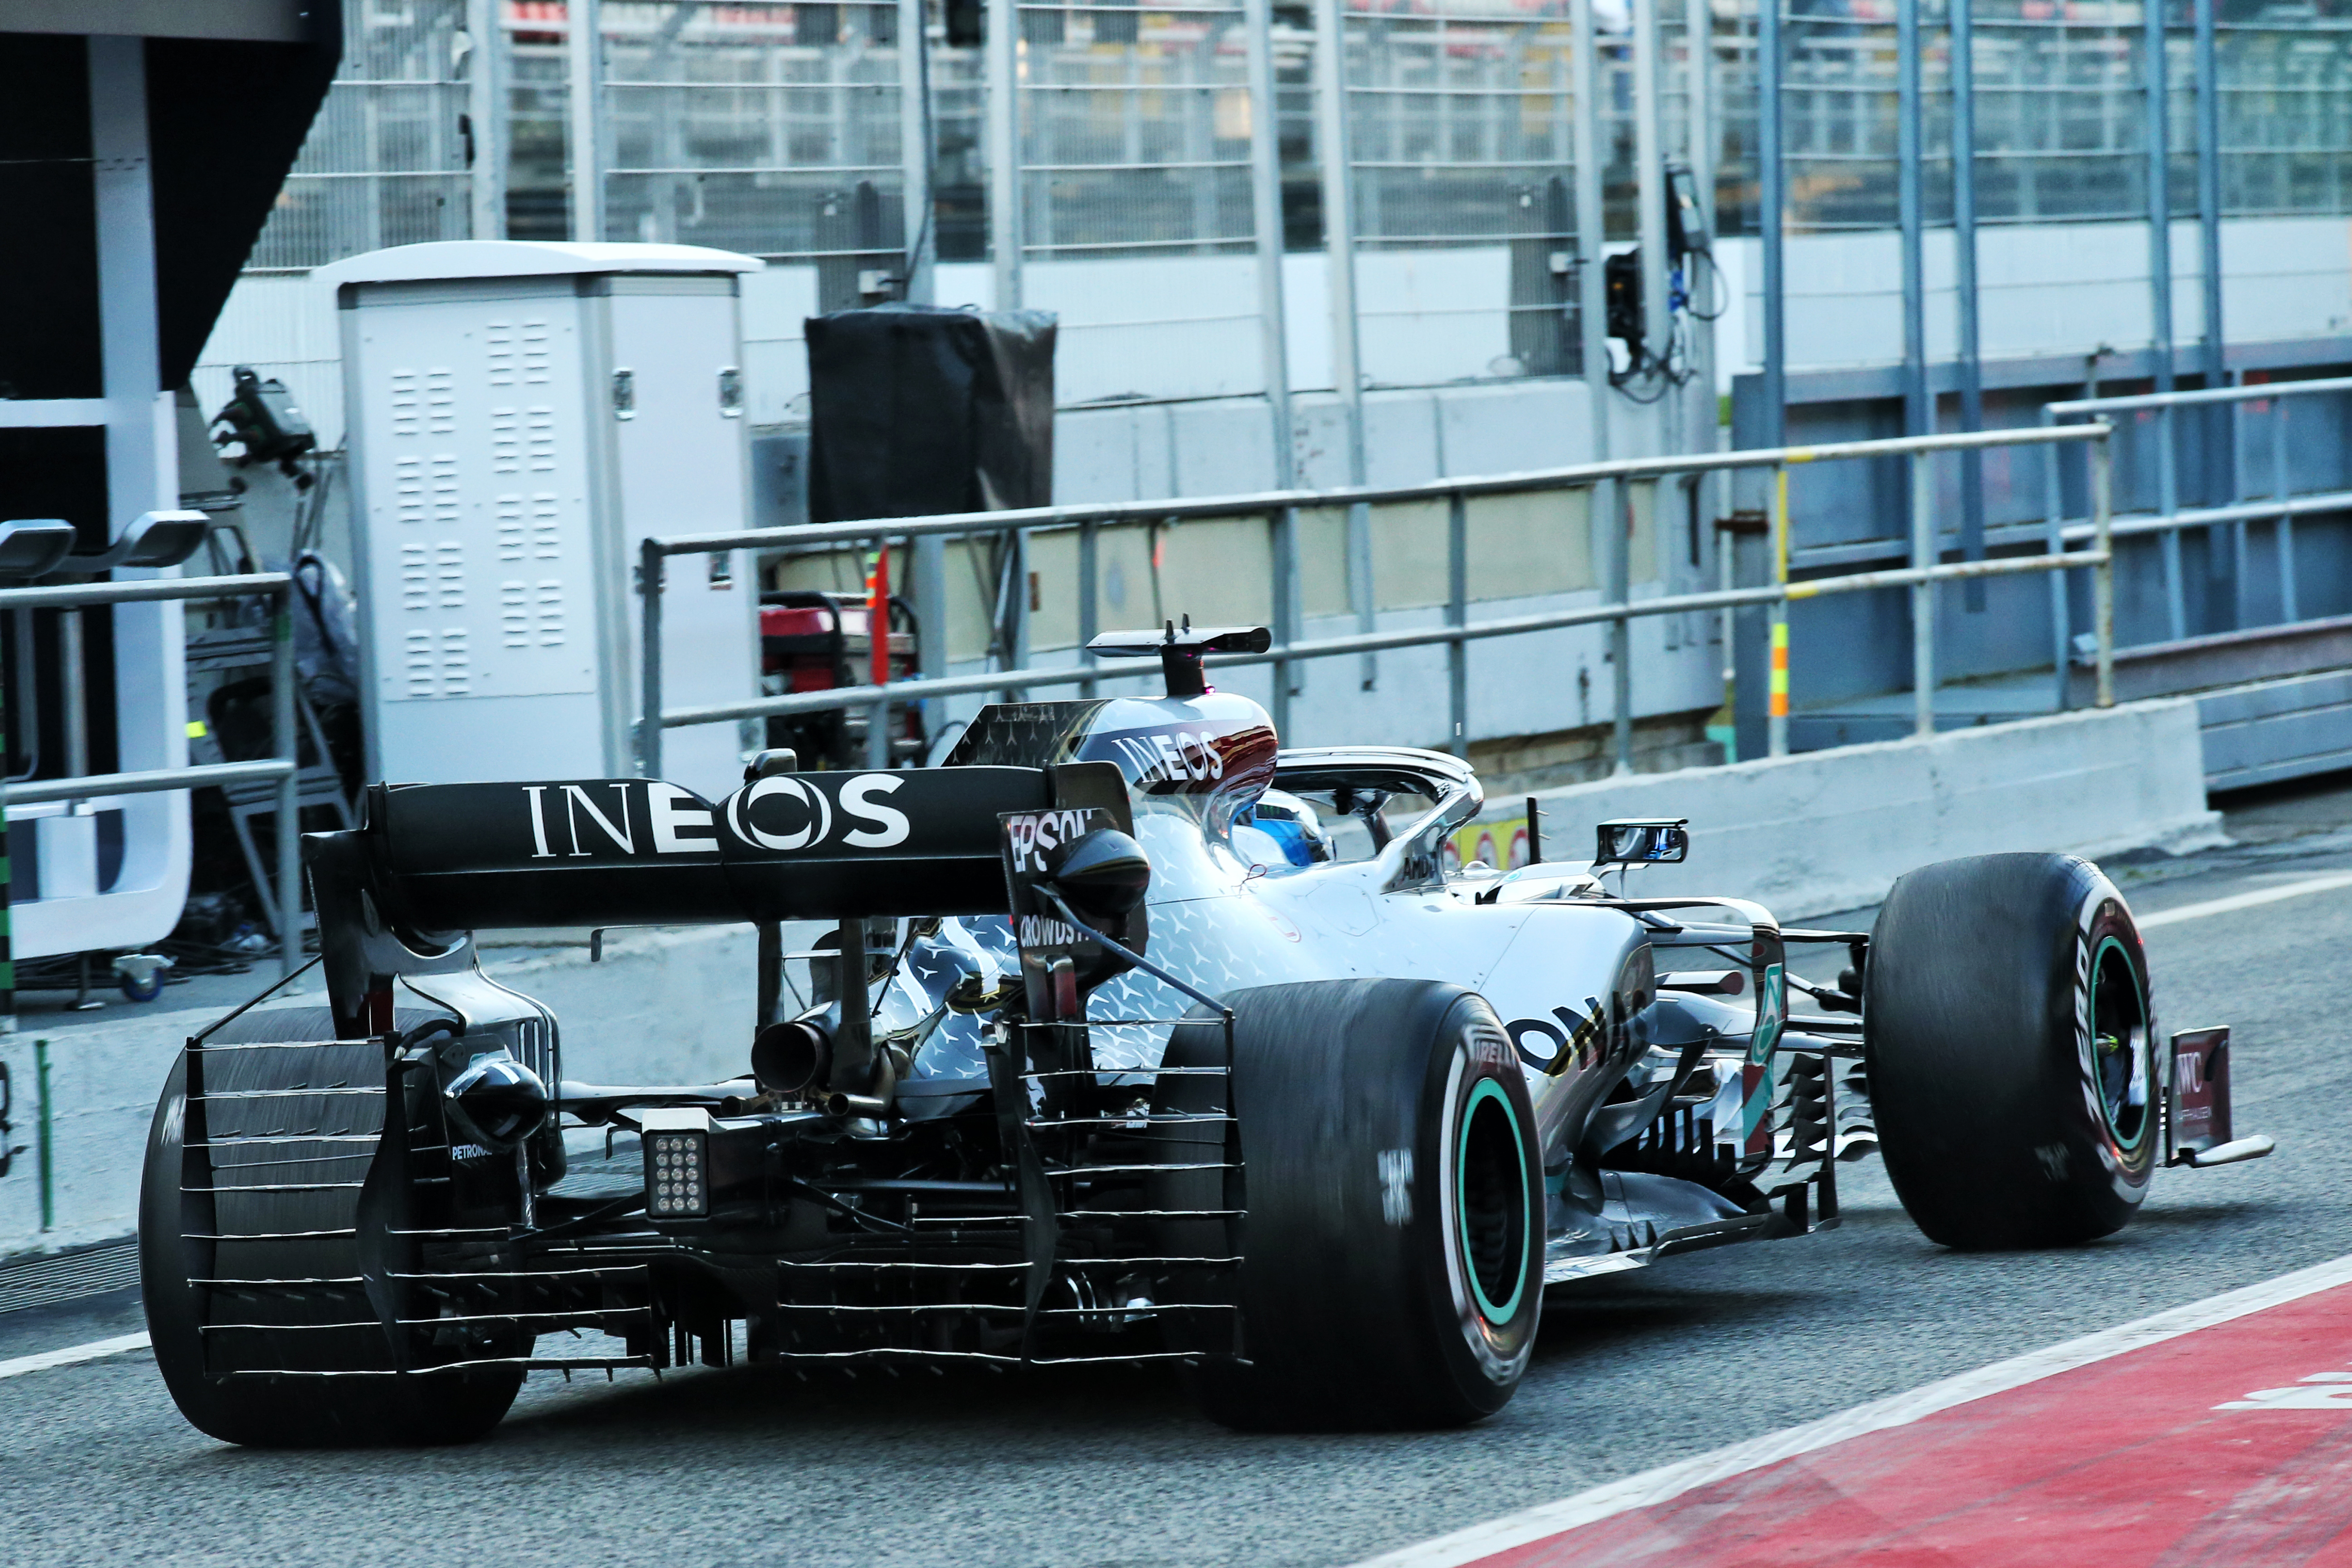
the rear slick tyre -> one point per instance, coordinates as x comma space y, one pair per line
2009, 1036
1391, 1255
308, 1240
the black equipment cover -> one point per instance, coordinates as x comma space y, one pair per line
917, 411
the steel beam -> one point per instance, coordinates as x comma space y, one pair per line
1001, 112
585, 57
1771, 221
1964, 249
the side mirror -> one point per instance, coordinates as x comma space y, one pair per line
1103, 873
1642, 841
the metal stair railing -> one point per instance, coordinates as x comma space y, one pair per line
280, 770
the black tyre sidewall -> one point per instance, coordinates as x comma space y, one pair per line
1354, 1285
285, 1412
1485, 1344
2128, 1167
1978, 1022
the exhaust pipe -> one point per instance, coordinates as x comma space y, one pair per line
795, 1055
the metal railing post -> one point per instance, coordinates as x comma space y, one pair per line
2103, 575
2062, 608
1457, 614
1620, 628
878, 734
2167, 489
1776, 720
2286, 519
649, 663
2241, 601
286, 742
1289, 611
73, 676
1090, 595
1923, 595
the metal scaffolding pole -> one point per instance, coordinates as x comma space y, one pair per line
2159, 295
2219, 425
2209, 192
1003, 138
915, 157
486, 117
1698, 32
587, 59
1918, 414
1337, 165
1591, 228
2159, 198
1964, 253
1650, 182
1274, 350
1266, 211
1771, 217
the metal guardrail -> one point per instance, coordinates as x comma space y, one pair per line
1280, 509
2170, 517
79, 786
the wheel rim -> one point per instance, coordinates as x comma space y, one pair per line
2119, 1065
1491, 1199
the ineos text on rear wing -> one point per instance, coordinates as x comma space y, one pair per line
432, 862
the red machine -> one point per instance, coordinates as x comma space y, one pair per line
812, 641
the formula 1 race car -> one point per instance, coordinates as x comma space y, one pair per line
1116, 1055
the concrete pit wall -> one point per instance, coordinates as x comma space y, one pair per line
1825, 831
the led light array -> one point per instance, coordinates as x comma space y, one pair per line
677, 1177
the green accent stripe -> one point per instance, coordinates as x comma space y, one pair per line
1487, 1088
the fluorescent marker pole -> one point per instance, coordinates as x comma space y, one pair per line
1777, 730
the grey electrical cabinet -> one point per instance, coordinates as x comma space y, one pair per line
519, 416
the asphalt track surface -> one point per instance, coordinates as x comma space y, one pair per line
1114, 1470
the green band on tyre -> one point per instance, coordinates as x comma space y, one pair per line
2139, 1006
1487, 1088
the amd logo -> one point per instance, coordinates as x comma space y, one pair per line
674, 821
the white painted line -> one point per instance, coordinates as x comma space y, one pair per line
97, 1350
2246, 901
1669, 1482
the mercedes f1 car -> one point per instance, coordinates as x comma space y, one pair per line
1113, 1057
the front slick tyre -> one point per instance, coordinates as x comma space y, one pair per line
1392, 1268
2011, 1045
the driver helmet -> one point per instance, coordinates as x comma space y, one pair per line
1291, 831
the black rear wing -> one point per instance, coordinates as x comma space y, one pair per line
431, 864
